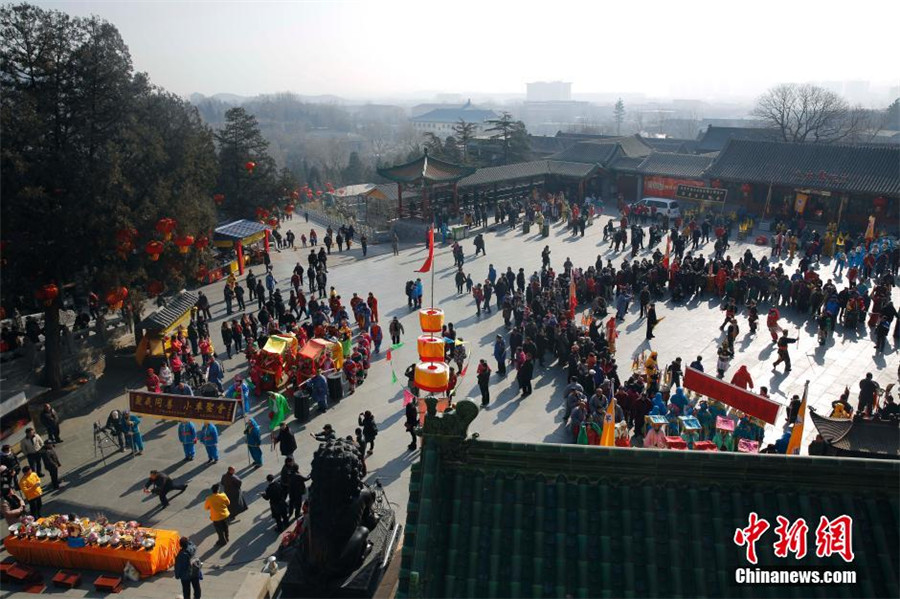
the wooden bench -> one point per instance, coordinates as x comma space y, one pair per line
108, 584
66, 580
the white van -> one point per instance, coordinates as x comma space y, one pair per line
663, 207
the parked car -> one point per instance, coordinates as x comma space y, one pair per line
660, 207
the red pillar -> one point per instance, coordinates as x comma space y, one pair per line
399, 200
455, 200
239, 248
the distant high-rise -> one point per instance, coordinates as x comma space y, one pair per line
549, 91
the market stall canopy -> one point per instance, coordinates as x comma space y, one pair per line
245, 231
170, 315
353, 190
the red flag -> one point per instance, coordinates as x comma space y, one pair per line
388, 356
573, 300
665, 261
427, 266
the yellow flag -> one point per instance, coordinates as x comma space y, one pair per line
608, 437
793, 447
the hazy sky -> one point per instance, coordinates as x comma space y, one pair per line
382, 48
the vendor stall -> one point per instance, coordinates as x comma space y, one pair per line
159, 326
237, 238
82, 544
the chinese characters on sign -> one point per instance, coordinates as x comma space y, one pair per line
833, 537
666, 187
183, 407
705, 194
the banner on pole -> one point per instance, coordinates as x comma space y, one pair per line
220, 410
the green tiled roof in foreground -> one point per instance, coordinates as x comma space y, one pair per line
496, 519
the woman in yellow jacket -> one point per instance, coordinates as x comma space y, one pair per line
217, 503
30, 484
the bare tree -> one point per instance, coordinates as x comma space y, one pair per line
808, 113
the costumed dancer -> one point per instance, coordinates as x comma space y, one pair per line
278, 409
611, 335
655, 438
187, 436
254, 440
209, 436
772, 323
239, 390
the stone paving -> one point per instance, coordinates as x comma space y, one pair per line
688, 330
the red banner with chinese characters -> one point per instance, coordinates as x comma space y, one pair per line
745, 401
665, 187
220, 410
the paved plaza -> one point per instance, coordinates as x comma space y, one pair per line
114, 489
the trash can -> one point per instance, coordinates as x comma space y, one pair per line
545, 232
335, 387
526, 227
302, 399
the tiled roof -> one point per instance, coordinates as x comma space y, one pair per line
497, 519
431, 169
602, 151
626, 164
238, 229
865, 169
668, 144
675, 165
715, 138
452, 115
527, 170
860, 437
545, 145
169, 314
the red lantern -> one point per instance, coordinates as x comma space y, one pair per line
746, 189
273, 222
880, 202
184, 243
262, 213
219, 198
155, 288
47, 294
318, 192
154, 249
201, 242
295, 195
116, 297
329, 186
250, 166
309, 195
165, 226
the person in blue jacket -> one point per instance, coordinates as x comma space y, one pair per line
187, 436
254, 441
239, 390
319, 390
209, 436
133, 435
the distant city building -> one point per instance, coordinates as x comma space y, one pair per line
440, 121
548, 91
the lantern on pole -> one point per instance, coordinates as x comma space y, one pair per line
165, 226
154, 249
432, 377
219, 199
184, 243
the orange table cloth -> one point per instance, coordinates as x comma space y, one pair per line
106, 559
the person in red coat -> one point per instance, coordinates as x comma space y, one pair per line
373, 306
742, 378
153, 381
